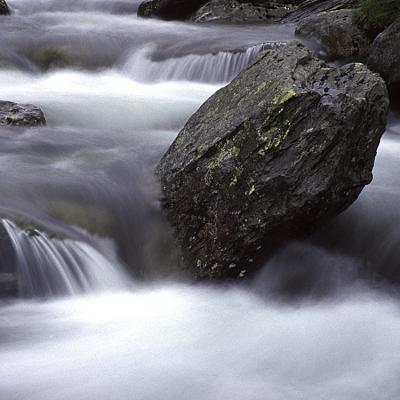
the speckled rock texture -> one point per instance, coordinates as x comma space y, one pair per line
335, 32
307, 8
236, 12
239, 11
225, 11
290, 143
20, 114
384, 57
4, 10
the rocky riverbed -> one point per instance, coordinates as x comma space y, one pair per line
259, 262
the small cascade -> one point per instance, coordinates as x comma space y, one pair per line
48, 267
212, 68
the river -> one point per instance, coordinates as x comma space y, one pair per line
315, 323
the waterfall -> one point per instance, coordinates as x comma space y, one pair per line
49, 267
216, 68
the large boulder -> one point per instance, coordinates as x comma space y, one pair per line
20, 114
291, 142
4, 10
384, 57
307, 8
335, 32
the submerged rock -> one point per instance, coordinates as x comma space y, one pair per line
52, 57
4, 10
8, 285
336, 33
291, 142
91, 218
20, 114
8, 273
384, 57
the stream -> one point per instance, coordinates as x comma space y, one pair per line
321, 320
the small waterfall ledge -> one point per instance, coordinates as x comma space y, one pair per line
48, 267
218, 67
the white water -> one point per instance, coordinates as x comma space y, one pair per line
222, 66
200, 344
124, 89
48, 267
107, 99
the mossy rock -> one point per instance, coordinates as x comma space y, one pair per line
384, 57
374, 16
336, 33
289, 144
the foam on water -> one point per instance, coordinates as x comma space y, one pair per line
107, 99
180, 342
115, 90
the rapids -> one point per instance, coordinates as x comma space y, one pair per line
316, 323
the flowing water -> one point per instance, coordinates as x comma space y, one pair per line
320, 321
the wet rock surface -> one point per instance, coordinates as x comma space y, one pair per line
384, 57
226, 11
170, 9
20, 114
335, 32
240, 12
290, 143
307, 8
4, 10
8, 275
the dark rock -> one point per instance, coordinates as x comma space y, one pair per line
307, 8
291, 142
4, 10
170, 9
384, 57
374, 16
336, 34
20, 114
8, 285
232, 11
239, 11
228, 11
